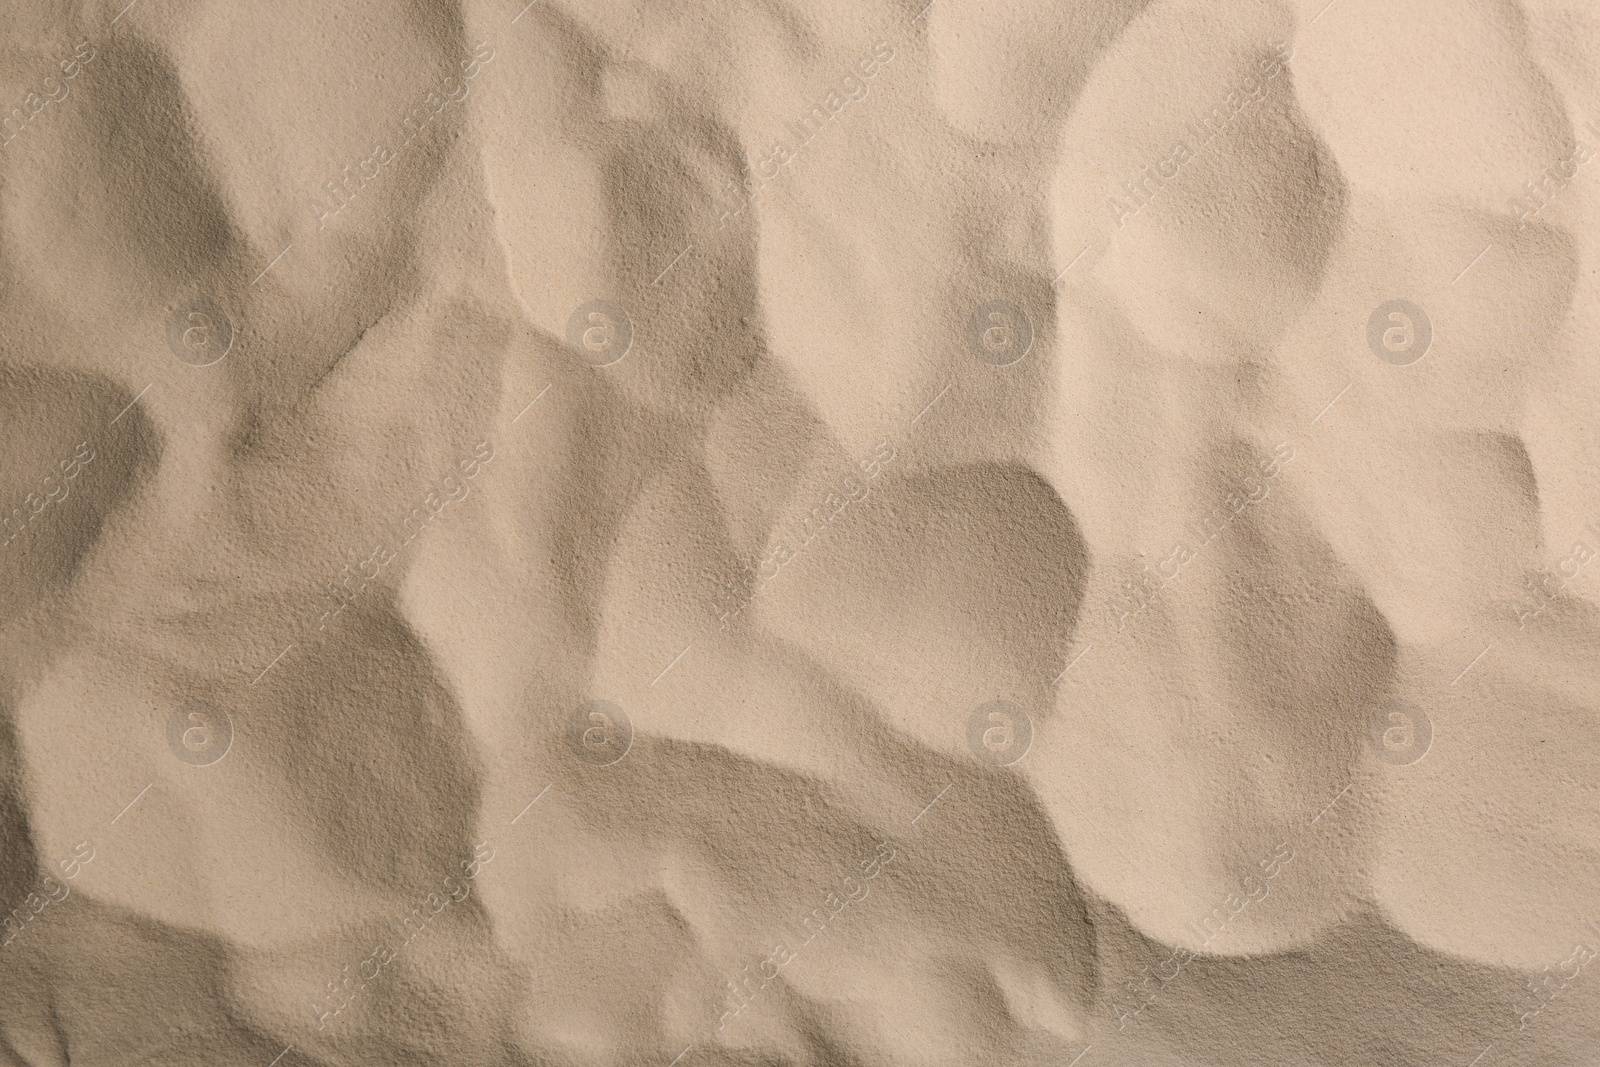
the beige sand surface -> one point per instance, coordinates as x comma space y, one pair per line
1054, 533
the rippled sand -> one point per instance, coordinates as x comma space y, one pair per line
958, 533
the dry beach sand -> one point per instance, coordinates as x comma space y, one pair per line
984, 532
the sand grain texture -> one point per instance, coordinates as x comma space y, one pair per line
678, 535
